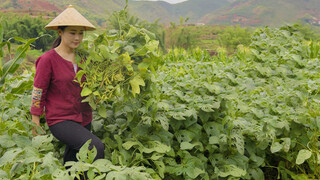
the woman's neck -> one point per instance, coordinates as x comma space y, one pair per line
67, 53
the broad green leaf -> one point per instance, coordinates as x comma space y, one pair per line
102, 111
129, 49
126, 61
20, 39
102, 164
214, 140
50, 162
143, 67
96, 93
286, 144
164, 121
85, 154
21, 141
276, 147
230, 170
256, 174
135, 83
161, 168
79, 75
194, 172
3, 174
303, 155
6, 141
86, 91
156, 146
1, 32
42, 142
133, 32
12, 65
92, 103
104, 51
116, 46
210, 107
156, 156
238, 140
178, 115
186, 146
127, 145
152, 45
9, 156
300, 177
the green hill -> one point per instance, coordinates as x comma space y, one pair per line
193, 9
271, 12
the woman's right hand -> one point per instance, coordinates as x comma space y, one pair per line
36, 121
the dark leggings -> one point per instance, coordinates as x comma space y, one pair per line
74, 136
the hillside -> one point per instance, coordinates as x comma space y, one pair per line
271, 12
225, 12
193, 9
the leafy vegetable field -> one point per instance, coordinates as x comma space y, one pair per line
183, 115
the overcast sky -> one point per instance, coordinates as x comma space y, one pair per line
169, 1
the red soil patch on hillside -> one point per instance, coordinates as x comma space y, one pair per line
38, 5
241, 4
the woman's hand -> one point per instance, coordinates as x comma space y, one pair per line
36, 121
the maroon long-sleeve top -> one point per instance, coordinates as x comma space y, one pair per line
56, 91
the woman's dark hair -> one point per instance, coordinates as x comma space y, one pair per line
57, 41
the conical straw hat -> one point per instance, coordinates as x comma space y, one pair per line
70, 17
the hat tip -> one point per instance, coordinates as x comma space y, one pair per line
70, 6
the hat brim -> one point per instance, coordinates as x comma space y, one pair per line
57, 27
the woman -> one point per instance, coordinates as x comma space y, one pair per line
55, 90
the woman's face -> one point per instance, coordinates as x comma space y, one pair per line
71, 36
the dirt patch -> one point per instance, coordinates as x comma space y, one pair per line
38, 5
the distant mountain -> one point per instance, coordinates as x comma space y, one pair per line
243, 12
266, 12
193, 9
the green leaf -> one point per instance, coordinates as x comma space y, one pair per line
86, 155
276, 147
156, 146
42, 142
127, 145
116, 46
152, 45
6, 141
214, 140
256, 174
143, 66
156, 156
103, 165
231, 170
303, 155
135, 83
186, 146
1, 32
194, 172
164, 121
86, 91
3, 174
79, 75
102, 111
9, 156
161, 167
286, 144
210, 107
133, 32
11, 66
20, 39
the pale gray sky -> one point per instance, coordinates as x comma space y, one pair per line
169, 1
